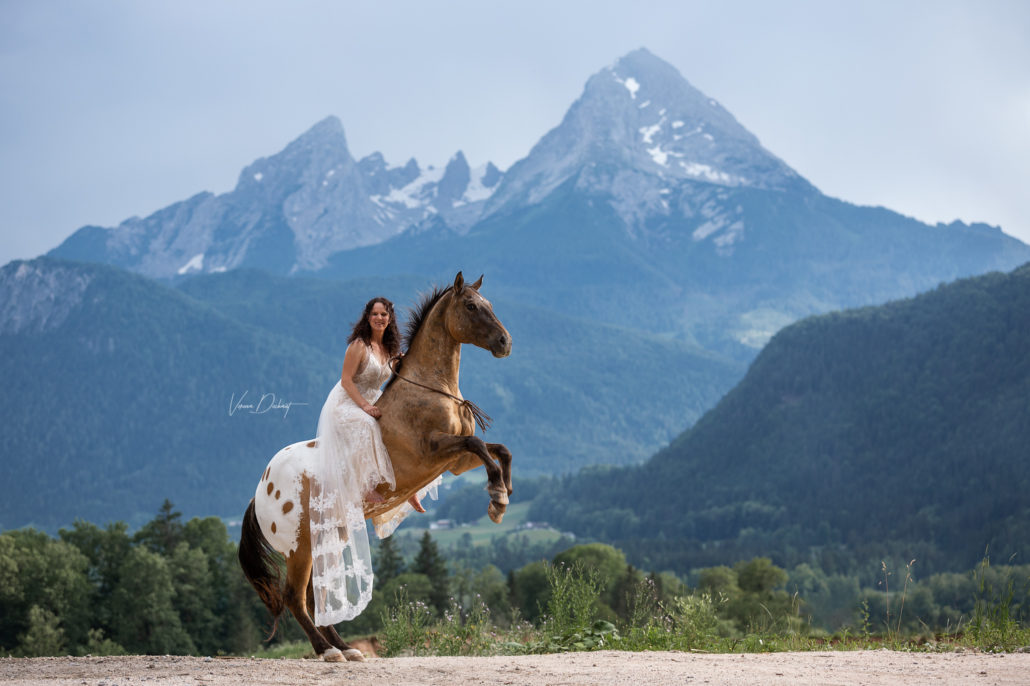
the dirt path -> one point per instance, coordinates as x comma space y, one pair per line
608, 667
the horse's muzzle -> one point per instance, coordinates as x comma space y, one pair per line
501, 346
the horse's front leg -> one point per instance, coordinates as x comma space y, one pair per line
503, 457
460, 450
298, 583
329, 632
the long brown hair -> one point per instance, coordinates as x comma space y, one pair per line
363, 330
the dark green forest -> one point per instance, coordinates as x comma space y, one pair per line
882, 433
175, 587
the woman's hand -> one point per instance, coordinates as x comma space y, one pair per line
372, 410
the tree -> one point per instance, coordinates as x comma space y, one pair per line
105, 550
529, 590
163, 532
430, 562
628, 593
223, 599
759, 576
44, 636
492, 588
143, 601
40, 572
194, 598
389, 562
718, 580
752, 603
607, 563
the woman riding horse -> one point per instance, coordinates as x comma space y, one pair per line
352, 461
311, 509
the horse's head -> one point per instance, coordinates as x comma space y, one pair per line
470, 319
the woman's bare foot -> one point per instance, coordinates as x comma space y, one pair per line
414, 502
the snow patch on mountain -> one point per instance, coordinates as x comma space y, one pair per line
631, 84
648, 132
723, 225
703, 171
481, 186
195, 264
419, 193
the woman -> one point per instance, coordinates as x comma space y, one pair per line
352, 461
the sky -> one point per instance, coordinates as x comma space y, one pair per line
111, 109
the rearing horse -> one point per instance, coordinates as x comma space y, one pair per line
427, 429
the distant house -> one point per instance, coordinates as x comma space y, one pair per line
441, 524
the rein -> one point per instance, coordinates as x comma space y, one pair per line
482, 418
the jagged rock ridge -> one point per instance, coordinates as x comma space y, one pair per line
291, 211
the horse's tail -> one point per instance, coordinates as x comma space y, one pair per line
259, 562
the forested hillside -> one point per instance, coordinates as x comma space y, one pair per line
898, 431
573, 392
120, 392
123, 391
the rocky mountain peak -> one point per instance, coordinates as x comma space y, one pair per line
491, 175
640, 115
37, 296
455, 180
317, 151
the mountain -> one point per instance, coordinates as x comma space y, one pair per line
638, 122
649, 197
644, 251
122, 391
289, 212
893, 431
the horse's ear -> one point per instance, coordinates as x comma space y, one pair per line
478, 283
459, 283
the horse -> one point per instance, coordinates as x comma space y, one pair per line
428, 428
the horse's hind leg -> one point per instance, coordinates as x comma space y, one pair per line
329, 632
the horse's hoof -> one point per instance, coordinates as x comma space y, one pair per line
498, 495
354, 655
333, 655
495, 512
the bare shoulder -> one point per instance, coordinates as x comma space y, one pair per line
358, 348
354, 359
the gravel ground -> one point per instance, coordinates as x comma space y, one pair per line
605, 667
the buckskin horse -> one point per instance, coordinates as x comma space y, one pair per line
428, 428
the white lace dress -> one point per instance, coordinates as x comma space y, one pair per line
351, 462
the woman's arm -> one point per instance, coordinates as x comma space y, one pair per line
356, 353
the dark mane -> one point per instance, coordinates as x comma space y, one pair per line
416, 318
417, 315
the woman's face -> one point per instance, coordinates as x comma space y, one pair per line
379, 318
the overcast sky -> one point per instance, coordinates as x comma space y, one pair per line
110, 109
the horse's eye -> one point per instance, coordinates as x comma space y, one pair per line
471, 307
